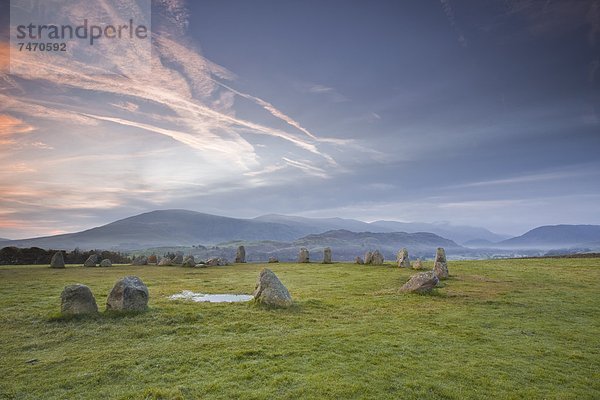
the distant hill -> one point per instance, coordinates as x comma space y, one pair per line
345, 245
457, 233
165, 228
554, 236
319, 225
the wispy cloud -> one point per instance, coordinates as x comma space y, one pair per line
530, 178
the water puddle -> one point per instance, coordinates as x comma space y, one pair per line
211, 298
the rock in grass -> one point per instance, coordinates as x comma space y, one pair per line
327, 255
216, 261
240, 256
141, 260
402, 258
359, 261
106, 263
189, 262
270, 291
440, 267
273, 260
417, 264
178, 259
165, 261
128, 294
91, 261
368, 257
303, 256
376, 258
420, 283
77, 299
152, 259
57, 261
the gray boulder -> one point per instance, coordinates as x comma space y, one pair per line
402, 259
376, 258
57, 261
165, 261
273, 260
128, 294
303, 256
359, 261
440, 267
417, 264
189, 262
106, 263
77, 299
270, 291
240, 256
140, 260
216, 262
368, 257
178, 259
327, 255
420, 283
91, 261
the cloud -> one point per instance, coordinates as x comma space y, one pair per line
330, 92
306, 167
10, 126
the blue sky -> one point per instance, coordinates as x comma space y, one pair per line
458, 111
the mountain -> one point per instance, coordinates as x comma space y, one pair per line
165, 228
345, 246
553, 236
319, 225
456, 233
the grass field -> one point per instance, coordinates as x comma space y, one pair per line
505, 329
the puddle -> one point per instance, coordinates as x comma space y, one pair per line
211, 298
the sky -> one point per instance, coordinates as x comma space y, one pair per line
466, 112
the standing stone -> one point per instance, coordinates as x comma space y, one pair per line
358, 260
141, 260
128, 294
152, 259
440, 267
216, 261
270, 291
377, 258
368, 257
273, 260
77, 299
402, 258
420, 283
327, 255
417, 264
303, 255
189, 262
178, 259
165, 261
57, 261
240, 256
91, 261
106, 263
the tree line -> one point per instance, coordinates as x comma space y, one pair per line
35, 255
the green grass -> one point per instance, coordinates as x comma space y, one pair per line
504, 329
